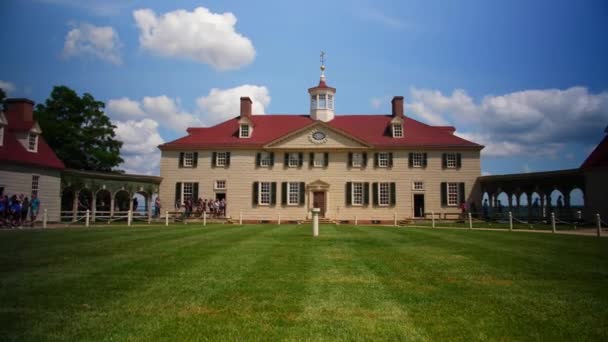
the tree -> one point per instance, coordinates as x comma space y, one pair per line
2, 99
78, 130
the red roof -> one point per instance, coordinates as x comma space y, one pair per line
12, 150
373, 130
599, 156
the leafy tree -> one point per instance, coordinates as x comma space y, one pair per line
78, 130
2, 98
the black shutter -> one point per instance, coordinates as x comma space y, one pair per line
301, 159
348, 193
390, 159
195, 159
284, 193
364, 159
178, 194
366, 193
350, 159
311, 159
326, 159
254, 194
375, 159
375, 193
461, 193
227, 158
393, 194
444, 160
271, 158
258, 159
273, 193
194, 192
424, 160
444, 194
213, 159
302, 190
286, 161
410, 160
458, 160
181, 159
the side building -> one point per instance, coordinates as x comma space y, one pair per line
371, 168
27, 164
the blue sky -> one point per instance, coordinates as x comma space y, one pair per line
528, 79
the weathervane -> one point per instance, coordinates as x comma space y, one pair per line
322, 64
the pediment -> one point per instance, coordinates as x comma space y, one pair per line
318, 185
318, 135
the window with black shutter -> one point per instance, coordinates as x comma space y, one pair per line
461, 193
390, 159
195, 159
213, 159
444, 160
254, 193
301, 158
366, 193
375, 193
326, 159
227, 159
258, 159
410, 160
178, 194
181, 159
273, 193
302, 192
444, 194
458, 160
350, 159
348, 191
284, 193
311, 159
393, 194
194, 192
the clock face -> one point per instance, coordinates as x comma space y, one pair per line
318, 135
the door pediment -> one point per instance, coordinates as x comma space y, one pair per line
318, 185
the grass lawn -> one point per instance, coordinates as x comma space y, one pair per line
270, 282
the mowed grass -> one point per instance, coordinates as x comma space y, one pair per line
224, 282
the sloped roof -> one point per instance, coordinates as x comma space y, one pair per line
599, 156
372, 129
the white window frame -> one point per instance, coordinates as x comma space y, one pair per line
417, 159
313, 101
384, 194
319, 160
450, 160
383, 159
322, 101
188, 159
330, 101
35, 184
357, 193
244, 131
220, 184
452, 194
33, 142
186, 185
357, 159
1, 135
265, 159
418, 185
220, 156
264, 193
294, 159
397, 131
293, 192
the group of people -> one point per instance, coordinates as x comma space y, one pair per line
213, 207
15, 210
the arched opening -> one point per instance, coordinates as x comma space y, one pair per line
121, 200
557, 198
67, 199
103, 200
577, 198
523, 199
502, 202
140, 203
85, 200
536, 205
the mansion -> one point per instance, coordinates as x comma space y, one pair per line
370, 168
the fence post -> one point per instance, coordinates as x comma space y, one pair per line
204, 218
129, 217
241, 218
553, 222
470, 221
433, 218
45, 218
166, 218
510, 221
279, 220
599, 225
88, 218
356, 220
394, 219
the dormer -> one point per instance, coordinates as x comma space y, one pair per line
398, 120
31, 141
245, 119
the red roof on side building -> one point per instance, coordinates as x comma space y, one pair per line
599, 156
374, 130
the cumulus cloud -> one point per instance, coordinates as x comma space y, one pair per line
199, 35
7, 86
223, 104
140, 140
100, 42
162, 109
529, 122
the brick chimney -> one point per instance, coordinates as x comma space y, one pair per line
397, 103
20, 108
245, 107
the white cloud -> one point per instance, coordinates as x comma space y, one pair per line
223, 104
140, 140
529, 122
163, 109
94, 41
199, 35
8, 87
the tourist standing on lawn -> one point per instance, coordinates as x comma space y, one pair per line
34, 207
157, 206
25, 207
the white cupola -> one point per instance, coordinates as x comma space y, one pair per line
322, 98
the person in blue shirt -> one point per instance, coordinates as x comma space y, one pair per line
15, 211
34, 207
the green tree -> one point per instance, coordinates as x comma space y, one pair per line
2, 99
78, 130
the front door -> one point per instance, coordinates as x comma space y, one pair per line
318, 201
418, 205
